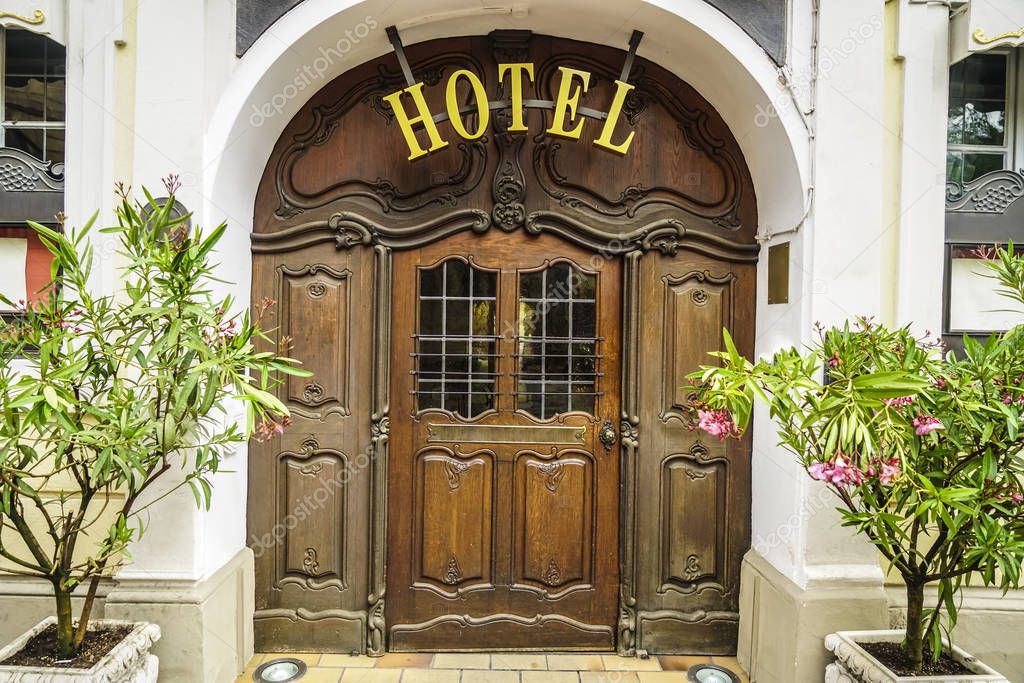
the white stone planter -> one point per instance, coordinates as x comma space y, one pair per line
129, 662
854, 665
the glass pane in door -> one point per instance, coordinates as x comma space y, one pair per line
456, 343
557, 343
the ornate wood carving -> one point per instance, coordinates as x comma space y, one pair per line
452, 510
696, 525
551, 491
632, 199
553, 523
697, 305
348, 229
553, 576
552, 473
629, 438
309, 488
326, 315
380, 431
375, 626
308, 502
450, 626
453, 573
322, 184
508, 188
694, 519
665, 235
454, 470
324, 120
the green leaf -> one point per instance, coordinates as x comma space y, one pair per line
50, 395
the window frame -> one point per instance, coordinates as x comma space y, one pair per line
1011, 149
29, 125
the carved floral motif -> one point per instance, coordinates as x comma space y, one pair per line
553, 575
453, 470
553, 472
310, 564
453, 572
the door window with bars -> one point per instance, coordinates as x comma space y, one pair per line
456, 346
557, 357
32, 96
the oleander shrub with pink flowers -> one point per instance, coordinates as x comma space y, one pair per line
923, 448
105, 395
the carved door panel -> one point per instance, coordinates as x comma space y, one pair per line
692, 517
309, 489
503, 465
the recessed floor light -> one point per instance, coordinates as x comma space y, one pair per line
280, 671
710, 673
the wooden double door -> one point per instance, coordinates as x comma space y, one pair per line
493, 450
504, 459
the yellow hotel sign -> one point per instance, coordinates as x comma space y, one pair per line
411, 109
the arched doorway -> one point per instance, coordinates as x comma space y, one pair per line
485, 458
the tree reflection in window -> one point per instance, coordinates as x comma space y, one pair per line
32, 99
456, 343
557, 344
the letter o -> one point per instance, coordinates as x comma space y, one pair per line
452, 101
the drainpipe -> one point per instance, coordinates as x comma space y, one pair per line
765, 235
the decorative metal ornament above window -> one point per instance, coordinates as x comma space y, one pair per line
991, 193
37, 17
21, 172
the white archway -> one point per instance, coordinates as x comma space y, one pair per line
320, 39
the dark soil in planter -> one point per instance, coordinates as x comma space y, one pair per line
892, 656
41, 649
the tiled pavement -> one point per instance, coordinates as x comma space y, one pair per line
475, 667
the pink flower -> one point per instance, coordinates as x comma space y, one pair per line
925, 424
839, 471
717, 423
835, 361
819, 471
897, 402
1018, 399
888, 470
268, 429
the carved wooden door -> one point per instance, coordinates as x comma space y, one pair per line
504, 469
479, 510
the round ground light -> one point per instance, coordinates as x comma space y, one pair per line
710, 673
280, 671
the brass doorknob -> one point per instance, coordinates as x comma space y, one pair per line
607, 435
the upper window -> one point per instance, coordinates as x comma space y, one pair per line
32, 96
979, 133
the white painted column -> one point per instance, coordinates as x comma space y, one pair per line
185, 51
848, 233
923, 44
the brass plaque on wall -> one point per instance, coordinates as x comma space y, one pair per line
778, 273
537, 434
